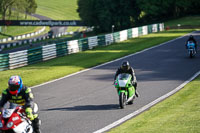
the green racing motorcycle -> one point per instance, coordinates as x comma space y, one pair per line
125, 89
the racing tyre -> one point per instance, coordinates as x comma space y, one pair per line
191, 54
122, 100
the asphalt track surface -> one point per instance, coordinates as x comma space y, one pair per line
87, 101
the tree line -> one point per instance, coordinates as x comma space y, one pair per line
123, 14
9, 7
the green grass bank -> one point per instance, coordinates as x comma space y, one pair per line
58, 9
177, 114
185, 22
12, 31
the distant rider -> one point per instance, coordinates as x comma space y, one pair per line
191, 38
126, 68
19, 94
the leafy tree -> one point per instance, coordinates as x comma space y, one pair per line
156, 10
4, 7
30, 7
102, 14
17, 6
193, 8
179, 7
86, 11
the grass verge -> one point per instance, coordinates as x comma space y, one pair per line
59, 67
42, 41
58, 9
177, 114
184, 22
12, 31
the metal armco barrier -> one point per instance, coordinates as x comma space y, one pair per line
101, 40
61, 49
18, 59
4, 62
42, 53
116, 37
83, 44
130, 35
35, 55
92, 42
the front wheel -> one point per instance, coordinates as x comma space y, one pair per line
122, 100
191, 54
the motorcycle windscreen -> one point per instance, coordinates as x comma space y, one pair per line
123, 76
7, 112
122, 83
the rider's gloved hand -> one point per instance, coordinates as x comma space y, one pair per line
29, 113
1, 110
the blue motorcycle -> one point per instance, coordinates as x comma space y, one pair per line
191, 49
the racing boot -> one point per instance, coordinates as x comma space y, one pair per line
36, 125
136, 93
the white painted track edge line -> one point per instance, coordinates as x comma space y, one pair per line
120, 121
109, 62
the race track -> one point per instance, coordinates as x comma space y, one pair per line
87, 101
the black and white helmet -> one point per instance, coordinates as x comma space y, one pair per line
191, 37
125, 65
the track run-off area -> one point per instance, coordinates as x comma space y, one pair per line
86, 101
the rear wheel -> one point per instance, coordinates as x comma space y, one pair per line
122, 100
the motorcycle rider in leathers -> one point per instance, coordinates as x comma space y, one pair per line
126, 68
19, 94
191, 38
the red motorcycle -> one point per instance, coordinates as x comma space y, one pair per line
14, 120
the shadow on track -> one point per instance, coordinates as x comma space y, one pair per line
86, 108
